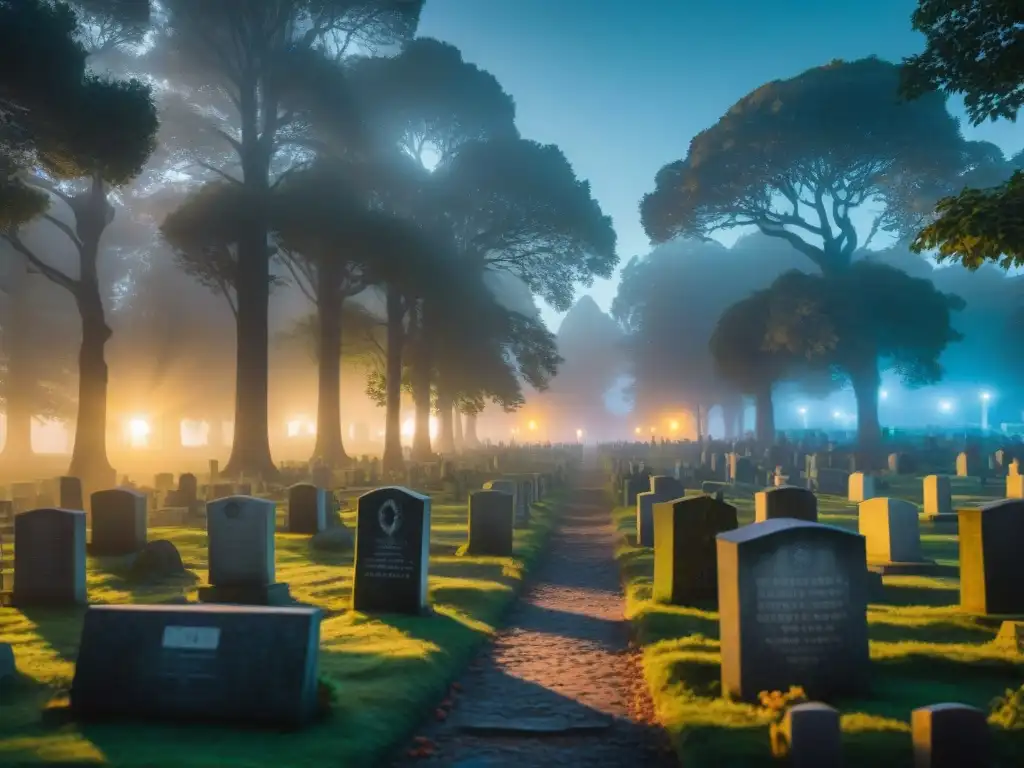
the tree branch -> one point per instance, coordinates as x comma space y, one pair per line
223, 174
50, 273
72, 236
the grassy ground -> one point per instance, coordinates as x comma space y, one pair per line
924, 651
387, 671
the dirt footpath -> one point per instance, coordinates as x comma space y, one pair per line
559, 686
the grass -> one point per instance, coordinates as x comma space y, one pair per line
923, 650
387, 671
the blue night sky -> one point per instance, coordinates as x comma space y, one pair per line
622, 87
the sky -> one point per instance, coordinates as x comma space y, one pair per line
622, 87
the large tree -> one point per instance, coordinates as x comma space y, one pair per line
796, 158
973, 48
265, 67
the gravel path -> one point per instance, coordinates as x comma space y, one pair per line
559, 686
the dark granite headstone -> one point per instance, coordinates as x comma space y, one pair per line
667, 487
242, 565
491, 519
245, 664
392, 551
785, 501
307, 509
188, 487
792, 600
950, 736
813, 735
70, 492
118, 522
834, 482
990, 557
685, 570
49, 558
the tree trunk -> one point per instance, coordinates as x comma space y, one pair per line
393, 461
329, 448
19, 384
472, 441
866, 381
420, 374
446, 438
250, 448
457, 436
764, 425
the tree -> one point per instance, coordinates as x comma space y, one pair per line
869, 317
973, 48
795, 158
79, 159
268, 64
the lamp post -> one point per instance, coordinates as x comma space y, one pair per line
986, 397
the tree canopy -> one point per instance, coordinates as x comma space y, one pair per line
796, 157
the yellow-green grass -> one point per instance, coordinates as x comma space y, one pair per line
387, 671
924, 650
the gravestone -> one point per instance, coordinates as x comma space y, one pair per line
307, 509
69, 492
645, 516
240, 532
892, 535
1014, 482
512, 488
220, 491
250, 665
963, 468
49, 558
785, 501
862, 487
491, 519
832, 482
214, 471
938, 498
163, 481
792, 599
1011, 637
8, 671
392, 552
741, 469
667, 487
990, 557
631, 486
950, 736
813, 735
118, 522
685, 554
188, 487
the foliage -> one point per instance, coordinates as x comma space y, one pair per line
974, 48
796, 157
1007, 711
362, 336
739, 348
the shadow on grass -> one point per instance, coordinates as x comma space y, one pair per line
898, 594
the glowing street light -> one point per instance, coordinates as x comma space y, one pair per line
802, 410
674, 426
945, 406
986, 398
636, 431
138, 432
579, 434
532, 426
883, 394
837, 415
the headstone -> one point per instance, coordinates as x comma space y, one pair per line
251, 665
832, 482
685, 554
49, 559
792, 599
392, 552
892, 534
163, 481
950, 736
514, 489
938, 498
963, 465
667, 487
862, 487
118, 522
188, 486
214, 471
491, 519
813, 735
70, 493
242, 567
1011, 636
785, 501
158, 560
1014, 482
990, 557
307, 509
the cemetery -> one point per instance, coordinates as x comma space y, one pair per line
347, 666
870, 605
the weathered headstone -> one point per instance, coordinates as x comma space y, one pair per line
862, 487
950, 736
119, 522
49, 559
813, 736
893, 535
1014, 482
514, 489
69, 491
214, 471
1011, 636
938, 498
792, 599
667, 487
785, 501
307, 509
685, 554
245, 664
392, 552
242, 566
832, 482
990, 557
491, 519
163, 481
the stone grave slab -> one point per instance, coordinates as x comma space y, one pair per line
892, 533
252, 665
990, 558
392, 552
792, 599
685, 553
862, 487
119, 522
785, 501
1011, 636
813, 735
307, 509
491, 520
49, 559
950, 736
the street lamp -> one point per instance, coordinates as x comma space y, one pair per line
986, 398
802, 410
